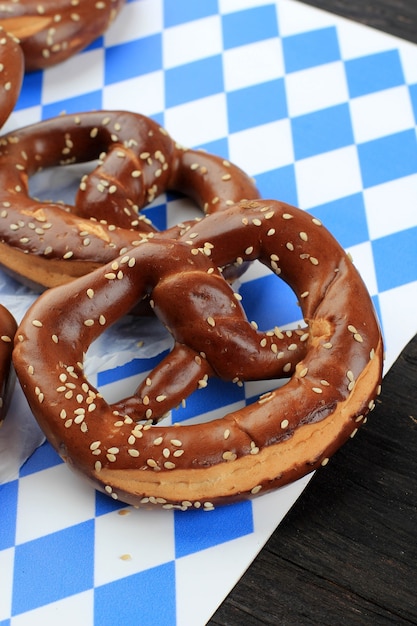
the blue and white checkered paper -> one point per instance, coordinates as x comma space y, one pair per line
323, 113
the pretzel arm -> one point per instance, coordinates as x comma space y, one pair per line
170, 382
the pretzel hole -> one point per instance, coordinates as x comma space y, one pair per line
268, 300
59, 183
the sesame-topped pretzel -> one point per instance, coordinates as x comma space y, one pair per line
333, 364
50, 31
49, 243
11, 74
7, 330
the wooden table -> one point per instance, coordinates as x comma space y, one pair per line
347, 551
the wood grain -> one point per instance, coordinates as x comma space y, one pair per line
397, 17
347, 551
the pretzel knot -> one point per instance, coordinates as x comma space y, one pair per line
333, 365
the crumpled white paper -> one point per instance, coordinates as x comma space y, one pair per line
128, 339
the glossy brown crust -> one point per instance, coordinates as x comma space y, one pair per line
7, 331
334, 364
46, 243
50, 31
11, 74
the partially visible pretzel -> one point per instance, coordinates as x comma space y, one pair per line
50, 31
49, 243
283, 435
11, 74
7, 331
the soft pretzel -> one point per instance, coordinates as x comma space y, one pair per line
50, 31
11, 74
7, 331
49, 243
283, 435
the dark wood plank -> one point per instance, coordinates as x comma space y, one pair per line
397, 17
347, 551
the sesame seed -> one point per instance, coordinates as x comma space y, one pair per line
229, 455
